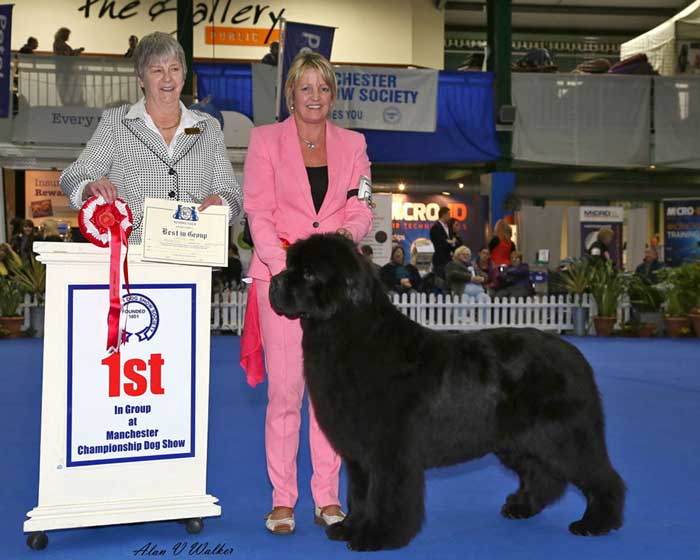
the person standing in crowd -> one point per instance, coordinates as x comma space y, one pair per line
133, 41
600, 248
61, 47
157, 147
300, 177
650, 266
454, 237
272, 57
443, 244
501, 245
22, 243
30, 46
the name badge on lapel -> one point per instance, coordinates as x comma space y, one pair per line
193, 130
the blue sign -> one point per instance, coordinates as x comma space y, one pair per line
681, 231
302, 37
5, 58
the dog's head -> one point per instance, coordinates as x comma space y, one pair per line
325, 275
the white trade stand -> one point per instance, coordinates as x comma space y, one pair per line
123, 438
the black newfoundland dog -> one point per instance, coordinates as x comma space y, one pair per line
395, 398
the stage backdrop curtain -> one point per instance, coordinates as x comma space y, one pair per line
677, 121
601, 120
465, 116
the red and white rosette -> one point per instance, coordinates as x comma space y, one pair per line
109, 225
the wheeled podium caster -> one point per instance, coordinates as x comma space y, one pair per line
194, 525
37, 540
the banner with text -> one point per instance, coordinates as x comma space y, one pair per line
136, 404
55, 125
681, 231
296, 38
414, 214
5, 58
379, 237
44, 199
386, 98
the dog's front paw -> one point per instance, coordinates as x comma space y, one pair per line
339, 531
515, 510
368, 539
591, 528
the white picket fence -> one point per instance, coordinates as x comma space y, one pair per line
552, 313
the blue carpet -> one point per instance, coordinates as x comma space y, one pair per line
651, 394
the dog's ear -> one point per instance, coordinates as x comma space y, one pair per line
360, 284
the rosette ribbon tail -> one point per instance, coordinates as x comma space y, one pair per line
115, 299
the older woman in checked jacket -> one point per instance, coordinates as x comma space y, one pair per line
156, 148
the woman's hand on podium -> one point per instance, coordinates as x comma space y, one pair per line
102, 187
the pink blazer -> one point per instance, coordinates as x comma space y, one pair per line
277, 194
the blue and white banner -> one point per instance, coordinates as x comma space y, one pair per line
681, 231
298, 37
386, 98
5, 58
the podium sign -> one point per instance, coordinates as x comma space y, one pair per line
120, 407
123, 436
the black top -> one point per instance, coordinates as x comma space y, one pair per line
318, 179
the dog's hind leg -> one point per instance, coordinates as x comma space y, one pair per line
358, 483
538, 488
605, 498
394, 507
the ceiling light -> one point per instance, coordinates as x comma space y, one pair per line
446, 193
402, 186
461, 185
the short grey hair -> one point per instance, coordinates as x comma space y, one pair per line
157, 46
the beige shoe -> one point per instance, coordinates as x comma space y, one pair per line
324, 519
284, 526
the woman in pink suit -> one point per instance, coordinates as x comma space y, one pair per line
299, 178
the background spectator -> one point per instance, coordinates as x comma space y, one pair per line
650, 265
453, 234
514, 281
30, 46
368, 253
272, 57
461, 276
398, 276
443, 245
133, 41
50, 231
23, 242
61, 47
501, 244
600, 249
485, 268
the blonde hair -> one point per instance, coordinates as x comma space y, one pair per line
309, 61
459, 251
605, 233
50, 227
503, 229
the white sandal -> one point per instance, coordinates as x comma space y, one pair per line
284, 526
326, 520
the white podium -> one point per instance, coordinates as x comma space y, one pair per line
123, 437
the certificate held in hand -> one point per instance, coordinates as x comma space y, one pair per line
177, 232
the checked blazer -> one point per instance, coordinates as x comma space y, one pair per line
136, 160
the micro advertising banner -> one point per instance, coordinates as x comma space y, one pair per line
681, 231
414, 214
137, 404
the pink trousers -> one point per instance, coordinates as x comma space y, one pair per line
281, 340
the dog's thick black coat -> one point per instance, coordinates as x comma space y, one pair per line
395, 398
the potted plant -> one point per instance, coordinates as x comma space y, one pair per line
607, 285
576, 280
30, 277
647, 301
11, 298
676, 322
